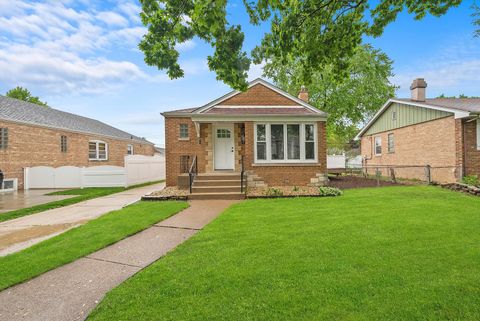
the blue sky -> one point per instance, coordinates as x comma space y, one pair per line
82, 57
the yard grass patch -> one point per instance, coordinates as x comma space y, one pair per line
393, 253
83, 240
80, 196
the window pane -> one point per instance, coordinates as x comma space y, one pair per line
102, 151
261, 150
261, 133
309, 150
92, 150
309, 135
391, 143
3, 138
378, 145
293, 141
183, 130
276, 132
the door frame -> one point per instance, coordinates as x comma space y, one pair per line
214, 134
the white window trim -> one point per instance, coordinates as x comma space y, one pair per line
375, 145
268, 137
130, 147
180, 131
478, 133
97, 142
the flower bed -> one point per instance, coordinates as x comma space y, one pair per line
166, 194
292, 191
459, 187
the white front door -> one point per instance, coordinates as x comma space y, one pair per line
224, 151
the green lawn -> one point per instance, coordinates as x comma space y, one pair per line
81, 195
393, 253
83, 240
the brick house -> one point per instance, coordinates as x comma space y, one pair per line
33, 135
276, 138
441, 132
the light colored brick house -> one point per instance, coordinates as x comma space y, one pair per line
33, 135
441, 132
278, 138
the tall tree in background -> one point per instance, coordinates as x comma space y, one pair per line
476, 19
321, 32
348, 102
25, 95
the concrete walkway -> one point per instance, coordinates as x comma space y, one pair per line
70, 292
23, 232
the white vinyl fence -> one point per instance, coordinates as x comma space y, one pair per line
138, 169
336, 161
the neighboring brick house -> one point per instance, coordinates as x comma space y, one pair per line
279, 138
441, 132
33, 135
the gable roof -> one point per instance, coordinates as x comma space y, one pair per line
295, 107
19, 111
459, 107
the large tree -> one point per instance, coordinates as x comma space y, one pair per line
348, 102
321, 32
25, 95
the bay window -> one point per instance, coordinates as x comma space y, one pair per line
285, 143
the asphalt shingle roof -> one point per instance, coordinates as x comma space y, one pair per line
27, 113
465, 104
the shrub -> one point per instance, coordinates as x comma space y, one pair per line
272, 191
329, 191
471, 180
296, 188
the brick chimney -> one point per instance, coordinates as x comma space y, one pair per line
303, 94
417, 89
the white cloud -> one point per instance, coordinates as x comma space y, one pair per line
112, 18
256, 71
453, 71
187, 45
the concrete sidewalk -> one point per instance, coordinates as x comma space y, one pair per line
70, 292
23, 232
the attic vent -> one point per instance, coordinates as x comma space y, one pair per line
394, 115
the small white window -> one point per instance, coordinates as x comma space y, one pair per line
391, 143
223, 133
129, 149
97, 150
261, 142
378, 145
183, 131
478, 134
394, 115
63, 144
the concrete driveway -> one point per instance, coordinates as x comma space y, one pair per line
25, 231
21, 199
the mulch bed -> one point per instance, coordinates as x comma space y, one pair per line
352, 181
167, 194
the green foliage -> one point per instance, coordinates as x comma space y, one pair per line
83, 240
329, 191
471, 180
25, 95
272, 191
398, 253
476, 19
348, 101
322, 33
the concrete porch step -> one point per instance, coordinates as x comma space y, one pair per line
215, 189
219, 182
217, 176
217, 196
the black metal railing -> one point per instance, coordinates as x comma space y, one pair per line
184, 164
242, 175
192, 172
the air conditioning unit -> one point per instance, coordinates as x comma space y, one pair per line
9, 185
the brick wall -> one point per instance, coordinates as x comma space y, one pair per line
30, 146
434, 143
472, 155
259, 95
175, 147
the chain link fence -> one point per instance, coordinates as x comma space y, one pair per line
414, 173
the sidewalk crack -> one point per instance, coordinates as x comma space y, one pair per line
178, 227
119, 263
